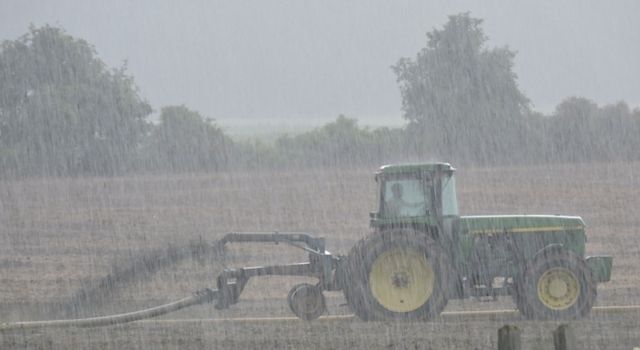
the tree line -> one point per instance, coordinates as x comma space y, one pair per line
64, 112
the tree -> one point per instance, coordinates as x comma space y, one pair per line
186, 141
572, 127
581, 131
340, 142
460, 97
62, 111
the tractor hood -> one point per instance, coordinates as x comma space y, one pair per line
490, 224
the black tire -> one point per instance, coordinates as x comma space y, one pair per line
306, 301
574, 297
360, 292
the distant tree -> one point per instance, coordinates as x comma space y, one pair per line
621, 131
572, 128
186, 141
62, 111
581, 131
461, 97
336, 143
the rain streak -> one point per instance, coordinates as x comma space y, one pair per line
326, 175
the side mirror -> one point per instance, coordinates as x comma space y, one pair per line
373, 215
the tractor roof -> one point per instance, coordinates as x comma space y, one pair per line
408, 168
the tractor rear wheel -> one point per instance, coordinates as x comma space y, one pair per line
399, 274
557, 284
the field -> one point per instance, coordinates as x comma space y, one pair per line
60, 235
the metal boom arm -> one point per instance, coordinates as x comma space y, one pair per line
321, 263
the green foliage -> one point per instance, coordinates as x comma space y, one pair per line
580, 130
186, 141
62, 112
340, 142
461, 98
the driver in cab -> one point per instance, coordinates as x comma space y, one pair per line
397, 206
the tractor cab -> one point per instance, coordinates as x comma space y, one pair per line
415, 194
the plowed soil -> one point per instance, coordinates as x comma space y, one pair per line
59, 236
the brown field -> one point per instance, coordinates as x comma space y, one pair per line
57, 236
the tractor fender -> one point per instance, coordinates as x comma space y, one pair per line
553, 248
557, 248
550, 249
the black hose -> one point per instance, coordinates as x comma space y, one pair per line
141, 268
199, 297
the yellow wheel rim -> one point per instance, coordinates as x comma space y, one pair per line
401, 279
558, 288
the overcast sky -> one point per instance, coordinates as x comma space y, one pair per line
317, 59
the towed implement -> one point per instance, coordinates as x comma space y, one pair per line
422, 253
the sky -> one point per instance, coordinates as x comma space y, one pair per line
313, 60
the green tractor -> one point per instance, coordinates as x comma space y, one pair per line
423, 253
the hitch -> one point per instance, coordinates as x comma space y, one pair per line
321, 265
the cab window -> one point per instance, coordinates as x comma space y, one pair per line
404, 197
449, 200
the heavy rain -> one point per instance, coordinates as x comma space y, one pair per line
325, 175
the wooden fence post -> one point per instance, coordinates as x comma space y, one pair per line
564, 339
509, 338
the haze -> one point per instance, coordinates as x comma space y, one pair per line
295, 60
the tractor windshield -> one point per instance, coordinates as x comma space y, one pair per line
406, 196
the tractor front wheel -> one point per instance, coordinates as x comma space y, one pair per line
556, 284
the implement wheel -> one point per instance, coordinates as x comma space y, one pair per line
306, 301
556, 284
400, 274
